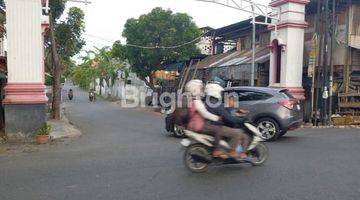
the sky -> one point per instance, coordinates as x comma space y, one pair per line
105, 19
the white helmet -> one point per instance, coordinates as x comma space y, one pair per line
195, 88
214, 90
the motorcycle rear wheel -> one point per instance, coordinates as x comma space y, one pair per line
260, 154
193, 164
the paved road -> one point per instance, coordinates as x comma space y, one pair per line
125, 154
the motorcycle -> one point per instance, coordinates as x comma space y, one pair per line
199, 147
91, 96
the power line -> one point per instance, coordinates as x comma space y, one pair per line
151, 47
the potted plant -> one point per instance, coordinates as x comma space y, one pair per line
43, 134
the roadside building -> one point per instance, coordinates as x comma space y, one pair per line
234, 65
279, 59
345, 60
206, 41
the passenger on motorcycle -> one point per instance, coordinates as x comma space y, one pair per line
199, 117
214, 104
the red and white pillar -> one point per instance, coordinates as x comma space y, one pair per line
25, 99
287, 46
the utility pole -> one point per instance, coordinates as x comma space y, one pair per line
252, 76
346, 78
331, 83
325, 65
319, 60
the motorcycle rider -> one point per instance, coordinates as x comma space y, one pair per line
70, 94
240, 140
92, 96
200, 117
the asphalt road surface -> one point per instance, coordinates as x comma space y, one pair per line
126, 154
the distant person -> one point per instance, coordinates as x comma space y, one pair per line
71, 94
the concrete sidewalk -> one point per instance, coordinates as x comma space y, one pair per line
63, 129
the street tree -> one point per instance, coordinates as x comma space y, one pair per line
101, 65
2, 17
85, 74
63, 41
159, 28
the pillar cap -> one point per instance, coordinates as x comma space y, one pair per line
276, 3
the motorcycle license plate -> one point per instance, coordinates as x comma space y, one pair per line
185, 142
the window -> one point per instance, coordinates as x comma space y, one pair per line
277, 60
252, 96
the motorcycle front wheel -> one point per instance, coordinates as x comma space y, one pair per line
196, 158
259, 154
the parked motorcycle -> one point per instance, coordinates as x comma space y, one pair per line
199, 147
70, 94
91, 96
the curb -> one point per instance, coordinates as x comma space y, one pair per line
332, 126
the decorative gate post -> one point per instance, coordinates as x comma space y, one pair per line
287, 46
25, 99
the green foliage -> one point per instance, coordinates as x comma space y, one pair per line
48, 80
159, 28
2, 4
83, 76
2, 16
45, 129
118, 50
68, 33
57, 8
69, 65
100, 64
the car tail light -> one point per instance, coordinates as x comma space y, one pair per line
289, 104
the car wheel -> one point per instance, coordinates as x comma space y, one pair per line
269, 129
179, 131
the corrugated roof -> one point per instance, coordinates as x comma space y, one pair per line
235, 58
209, 60
261, 55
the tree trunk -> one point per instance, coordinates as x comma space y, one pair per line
148, 83
56, 74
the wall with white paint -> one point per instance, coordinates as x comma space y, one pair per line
24, 41
291, 37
